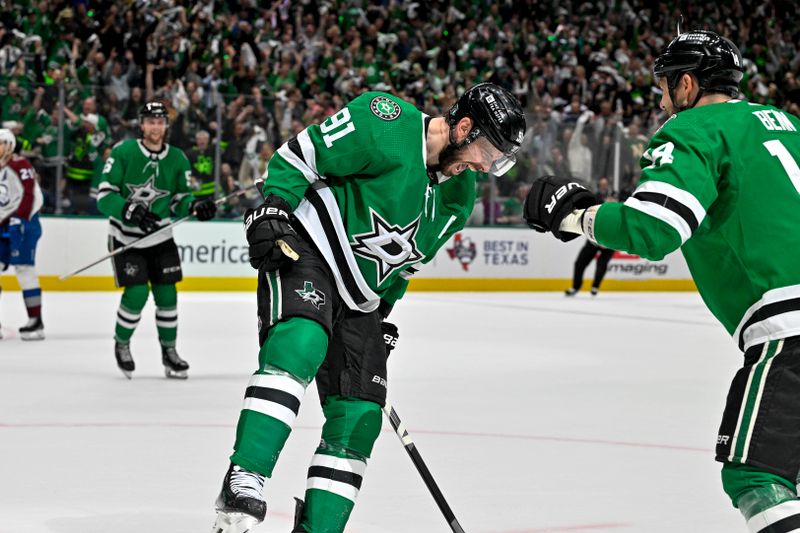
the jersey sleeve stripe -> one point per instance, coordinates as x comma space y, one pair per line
106, 186
665, 201
292, 153
679, 195
663, 214
308, 150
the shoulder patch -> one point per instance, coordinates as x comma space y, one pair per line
384, 108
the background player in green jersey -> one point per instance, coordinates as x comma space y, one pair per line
144, 182
363, 198
721, 181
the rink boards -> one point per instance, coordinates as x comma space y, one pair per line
214, 256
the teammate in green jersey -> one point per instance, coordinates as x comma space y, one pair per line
721, 181
144, 182
363, 198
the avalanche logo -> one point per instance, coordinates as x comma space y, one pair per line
389, 246
464, 250
5, 197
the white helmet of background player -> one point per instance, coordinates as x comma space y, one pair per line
8, 143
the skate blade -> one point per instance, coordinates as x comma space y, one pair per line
175, 374
32, 336
233, 522
127, 373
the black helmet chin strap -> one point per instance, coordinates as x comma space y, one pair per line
674, 85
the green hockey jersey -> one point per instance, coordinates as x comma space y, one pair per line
359, 185
158, 181
722, 182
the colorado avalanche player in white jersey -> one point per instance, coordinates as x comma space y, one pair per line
20, 202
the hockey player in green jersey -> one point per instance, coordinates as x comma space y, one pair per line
721, 181
144, 182
363, 198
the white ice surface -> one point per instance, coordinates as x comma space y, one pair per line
535, 413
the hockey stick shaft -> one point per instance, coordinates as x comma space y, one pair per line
422, 468
150, 235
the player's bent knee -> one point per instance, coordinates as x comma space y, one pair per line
26, 275
297, 346
135, 296
165, 295
352, 425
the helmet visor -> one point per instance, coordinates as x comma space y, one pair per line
503, 165
493, 160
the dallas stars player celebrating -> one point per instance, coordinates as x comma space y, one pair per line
721, 181
144, 182
363, 197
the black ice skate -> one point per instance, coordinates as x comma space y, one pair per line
124, 358
299, 505
240, 505
33, 330
174, 366
571, 291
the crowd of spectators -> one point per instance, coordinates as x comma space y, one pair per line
240, 77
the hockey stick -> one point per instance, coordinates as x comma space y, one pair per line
416, 458
155, 233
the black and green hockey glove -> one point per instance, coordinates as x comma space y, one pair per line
139, 215
551, 199
265, 226
203, 209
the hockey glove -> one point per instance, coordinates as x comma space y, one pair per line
390, 336
551, 199
138, 215
203, 209
264, 226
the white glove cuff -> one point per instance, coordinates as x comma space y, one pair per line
572, 222
588, 222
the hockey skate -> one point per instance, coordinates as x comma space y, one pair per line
124, 358
571, 291
174, 366
240, 505
33, 330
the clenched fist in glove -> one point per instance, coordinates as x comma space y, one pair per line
139, 215
264, 226
551, 200
203, 209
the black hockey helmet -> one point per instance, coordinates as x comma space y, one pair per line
714, 60
153, 109
496, 115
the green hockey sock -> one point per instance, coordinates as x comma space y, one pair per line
753, 490
166, 298
130, 311
288, 361
338, 466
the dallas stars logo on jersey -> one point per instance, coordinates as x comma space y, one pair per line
384, 108
145, 193
391, 247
